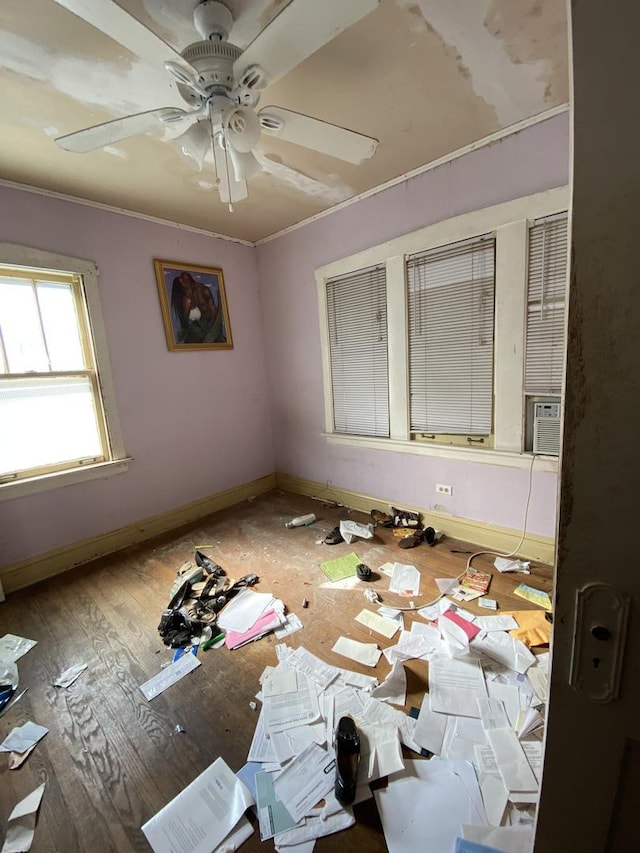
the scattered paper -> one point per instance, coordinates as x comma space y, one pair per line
511, 760
535, 596
13, 647
460, 594
431, 612
413, 645
341, 567
509, 695
427, 803
292, 625
461, 736
529, 722
455, 684
351, 530
271, 619
292, 709
405, 580
446, 585
488, 603
476, 580
23, 738
394, 688
504, 564
243, 611
316, 826
496, 623
430, 728
273, 816
454, 626
261, 750
305, 781
508, 839
377, 623
168, 676
236, 837
367, 654
69, 675
494, 795
380, 751
202, 815
280, 680
22, 823
539, 679
505, 649
533, 628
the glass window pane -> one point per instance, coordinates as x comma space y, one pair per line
60, 322
20, 326
46, 421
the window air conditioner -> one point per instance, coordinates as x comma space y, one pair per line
546, 428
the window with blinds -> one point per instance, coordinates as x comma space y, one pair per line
451, 322
357, 316
51, 416
546, 294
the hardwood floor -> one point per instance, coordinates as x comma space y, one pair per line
111, 759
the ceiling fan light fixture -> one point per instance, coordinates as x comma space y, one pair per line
241, 128
244, 166
194, 144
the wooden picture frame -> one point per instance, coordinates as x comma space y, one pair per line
194, 306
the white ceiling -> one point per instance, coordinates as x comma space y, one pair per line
424, 77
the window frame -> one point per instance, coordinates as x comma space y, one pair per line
509, 223
94, 336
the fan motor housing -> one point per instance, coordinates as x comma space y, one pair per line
213, 61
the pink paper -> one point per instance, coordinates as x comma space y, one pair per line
468, 627
267, 622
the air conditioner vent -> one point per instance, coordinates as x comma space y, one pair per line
546, 429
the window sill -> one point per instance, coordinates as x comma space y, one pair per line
483, 456
34, 485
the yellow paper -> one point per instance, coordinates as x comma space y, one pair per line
535, 596
533, 629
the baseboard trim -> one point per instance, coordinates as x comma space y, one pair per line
35, 569
490, 536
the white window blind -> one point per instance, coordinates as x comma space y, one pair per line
547, 286
357, 315
451, 320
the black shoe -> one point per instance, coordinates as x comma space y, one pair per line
208, 565
363, 572
347, 760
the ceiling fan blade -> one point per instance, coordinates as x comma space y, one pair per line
317, 135
121, 128
128, 31
230, 189
299, 30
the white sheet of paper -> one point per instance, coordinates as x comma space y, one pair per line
496, 623
280, 680
367, 654
509, 839
433, 611
505, 649
352, 529
306, 780
347, 701
261, 750
430, 728
461, 735
446, 585
289, 710
414, 645
494, 796
314, 827
510, 696
511, 760
308, 664
379, 712
244, 610
485, 760
529, 722
292, 625
377, 623
425, 805
168, 676
12, 647
202, 815
380, 751
292, 742
492, 714
539, 679
405, 580
67, 678
455, 684
534, 751
503, 564
23, 737
394, 688
22, 823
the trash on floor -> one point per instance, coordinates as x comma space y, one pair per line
350, 530
13, 647
22, 823
301, 521
67, 678
168, 676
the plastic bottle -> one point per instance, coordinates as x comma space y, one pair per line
301, 521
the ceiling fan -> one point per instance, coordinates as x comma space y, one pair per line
221, 85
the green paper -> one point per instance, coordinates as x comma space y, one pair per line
341, 567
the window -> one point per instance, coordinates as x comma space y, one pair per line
58, 422
438, 341
451, 315
546, 292
357, 319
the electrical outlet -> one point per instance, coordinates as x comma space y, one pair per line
443, 490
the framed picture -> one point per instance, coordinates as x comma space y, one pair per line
194, 306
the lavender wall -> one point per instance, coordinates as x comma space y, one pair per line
527, 162
195, 423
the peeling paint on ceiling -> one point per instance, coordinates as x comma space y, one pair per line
423, 76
